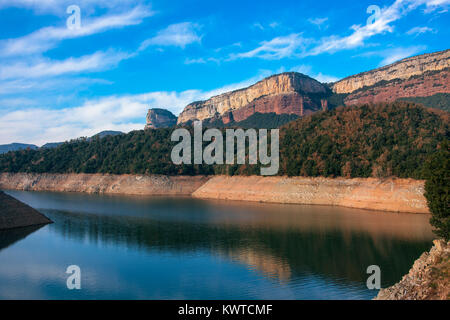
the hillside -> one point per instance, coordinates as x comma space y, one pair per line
384, 140
16, 146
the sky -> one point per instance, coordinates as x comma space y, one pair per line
74, 68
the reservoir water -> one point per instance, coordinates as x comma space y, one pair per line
181, 248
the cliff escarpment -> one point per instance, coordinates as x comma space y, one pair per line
286, 93
403, 69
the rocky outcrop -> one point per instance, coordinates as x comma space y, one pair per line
424, 85
160, 118
103, 183
290, 92
15, 214
403, 69
428, 279
398, 195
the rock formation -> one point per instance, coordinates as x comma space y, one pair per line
403, 69
160, 118
427, 279
285, 93
15, 214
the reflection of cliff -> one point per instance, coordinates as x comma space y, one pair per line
275, 252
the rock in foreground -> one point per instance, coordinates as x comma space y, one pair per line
428, 279
15, 214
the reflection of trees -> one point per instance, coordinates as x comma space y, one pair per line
10, 236
287, 252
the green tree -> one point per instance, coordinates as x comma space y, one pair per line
437, 172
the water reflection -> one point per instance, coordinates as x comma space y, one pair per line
292, 245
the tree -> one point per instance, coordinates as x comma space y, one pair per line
437, 185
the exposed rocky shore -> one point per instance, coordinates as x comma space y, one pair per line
15, 214
428, 279
397, 195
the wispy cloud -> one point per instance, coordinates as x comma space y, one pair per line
124, 113
319, 22
392, 55
48, 68
178, 35
49, 37
277, 48
420, 30
295, 45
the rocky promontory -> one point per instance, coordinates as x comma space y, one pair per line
160, 118
285, 93
428, 279
15, 214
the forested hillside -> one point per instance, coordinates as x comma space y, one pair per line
383, 140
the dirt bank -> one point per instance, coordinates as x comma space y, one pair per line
15, 214
103, 183
398, 195
428, 279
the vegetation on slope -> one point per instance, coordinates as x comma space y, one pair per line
384, 140
437, 190
438, 101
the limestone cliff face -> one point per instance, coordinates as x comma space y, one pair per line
282, 93
160, 118
424, 85
403, 69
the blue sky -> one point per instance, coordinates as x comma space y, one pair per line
58, 83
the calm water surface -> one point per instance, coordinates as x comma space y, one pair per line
182, 248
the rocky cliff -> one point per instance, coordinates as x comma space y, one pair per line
160, 118
428, 279
403, 69
286, 93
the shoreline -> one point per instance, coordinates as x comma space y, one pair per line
390, 194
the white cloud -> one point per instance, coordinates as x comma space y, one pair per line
49, 68
319, 22
420, 30
294, 45
277, 48
47, 38
123, 113
179, 35
59, 6
392, 55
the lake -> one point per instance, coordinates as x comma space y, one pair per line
130, 247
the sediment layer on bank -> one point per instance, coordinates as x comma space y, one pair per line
103, 183
15, 214
398, 195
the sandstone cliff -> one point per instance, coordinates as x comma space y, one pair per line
290, 92
428, 279
403, 69
160, 118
